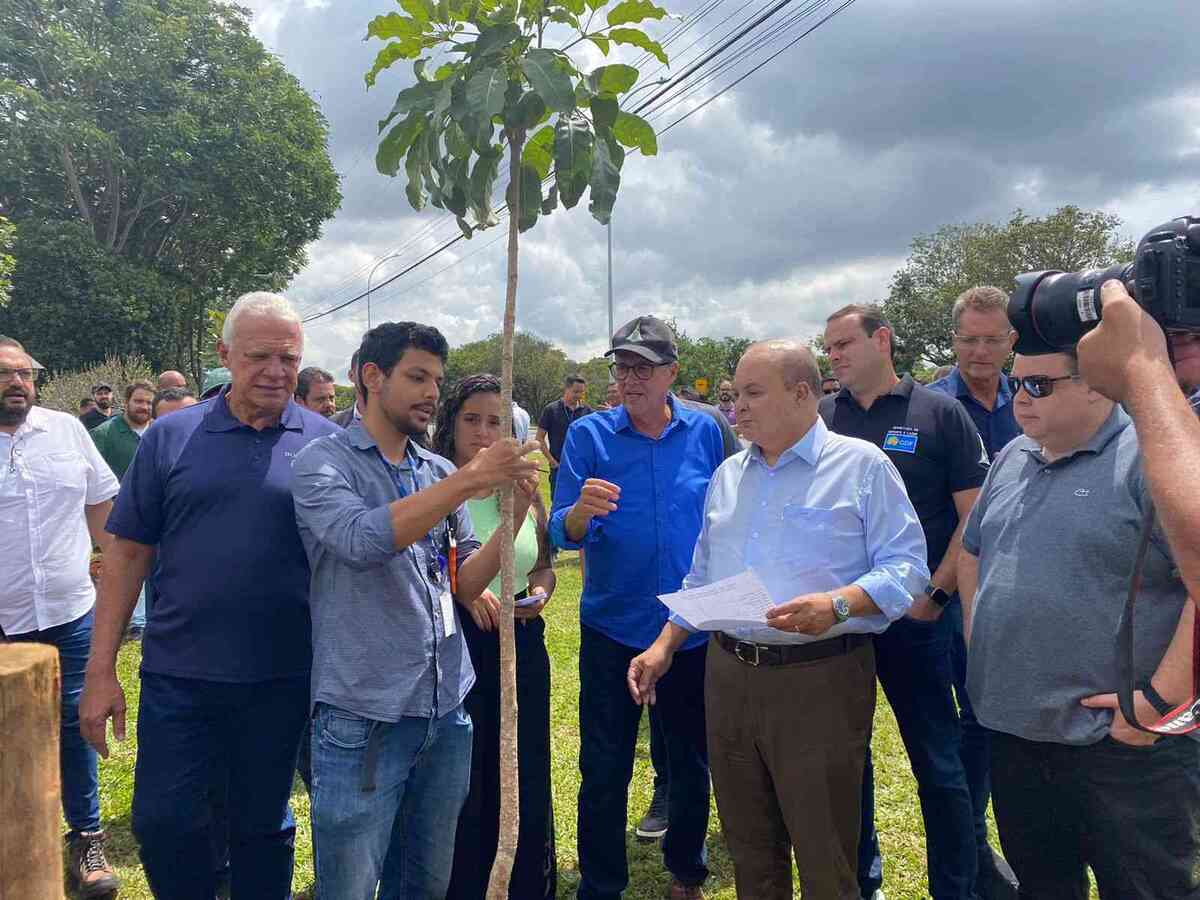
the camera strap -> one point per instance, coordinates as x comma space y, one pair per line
1186, 716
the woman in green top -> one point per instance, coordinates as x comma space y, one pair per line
469, 421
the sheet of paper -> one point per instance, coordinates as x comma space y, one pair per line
735, 602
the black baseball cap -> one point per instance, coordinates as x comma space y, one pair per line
648, 337
102, 386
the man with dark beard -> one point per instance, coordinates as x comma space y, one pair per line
102, 393
55, 495
117, 439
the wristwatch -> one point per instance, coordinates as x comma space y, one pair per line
937, 595
841, 608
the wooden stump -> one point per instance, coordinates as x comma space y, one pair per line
30, 793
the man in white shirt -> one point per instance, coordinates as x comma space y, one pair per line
55, 495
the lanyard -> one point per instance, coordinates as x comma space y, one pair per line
438, 562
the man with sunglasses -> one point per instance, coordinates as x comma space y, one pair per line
936, 447
983, 340
1043, 575
631, 490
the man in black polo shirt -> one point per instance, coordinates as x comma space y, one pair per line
557, 418
935, 445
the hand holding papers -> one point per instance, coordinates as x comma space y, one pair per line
726, 605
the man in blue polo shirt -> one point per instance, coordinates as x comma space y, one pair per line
983, 340
631, 489
227, 650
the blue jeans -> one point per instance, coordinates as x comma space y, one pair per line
976, 749
77, 759
194, 736
914, 666
608, 725
138, 619
385, 803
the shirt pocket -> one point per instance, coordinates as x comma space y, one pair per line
55, 473
814, 536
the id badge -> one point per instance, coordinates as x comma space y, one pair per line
447, 601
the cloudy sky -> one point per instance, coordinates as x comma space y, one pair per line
793, 194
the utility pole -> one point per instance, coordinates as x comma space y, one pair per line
611, 328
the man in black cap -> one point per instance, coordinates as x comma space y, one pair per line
102, 393
631, 489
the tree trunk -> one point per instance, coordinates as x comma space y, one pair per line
510, 813
30, 842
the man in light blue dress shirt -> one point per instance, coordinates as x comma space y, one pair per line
826, 524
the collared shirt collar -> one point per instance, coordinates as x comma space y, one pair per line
903, 388
1118, 420
808, 448
362, 439
220, 418
1003, 392
35, 421
679, 414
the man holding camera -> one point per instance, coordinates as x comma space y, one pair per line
1043, 575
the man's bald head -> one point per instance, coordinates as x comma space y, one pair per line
171, 379
794, 359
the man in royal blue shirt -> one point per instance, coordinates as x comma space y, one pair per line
227, 650
631, 489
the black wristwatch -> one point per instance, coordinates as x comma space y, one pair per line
937, 595
1155, 699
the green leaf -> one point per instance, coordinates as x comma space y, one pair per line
413, 164
464, 226
527, 112
596, 4
629, 11
405, 49
639, 39
575, 6
421, 10
394, 25
442, 99
551, 202
419, 68
634, 131
572, 158
483, 182
531, 198
605, 181
493, 40
604, 111
565, 18
393, 147
456, 142
420, 97
444, 71
616, 79
485, 93
539, 151
549, 75
443, 11
602, 42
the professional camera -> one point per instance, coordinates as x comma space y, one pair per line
1051, 310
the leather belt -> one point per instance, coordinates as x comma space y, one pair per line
753, 654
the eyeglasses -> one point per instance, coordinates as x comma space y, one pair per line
1038, 386
642, 371
991, 341
7, 375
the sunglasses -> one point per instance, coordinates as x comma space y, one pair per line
1038, 386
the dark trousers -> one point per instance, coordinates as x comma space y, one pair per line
975, 748
608, 725
553, 479
535, 869
193, 736
658, 752
1131, 814
77, 760
787, 745
913, 661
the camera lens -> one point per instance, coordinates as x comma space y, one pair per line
1051, 311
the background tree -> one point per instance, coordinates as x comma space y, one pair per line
64, 390
175, 143
538, 367
7, 261
492, 69
942, 265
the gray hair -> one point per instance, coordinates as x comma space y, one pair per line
796, 362
983, 298
258, 303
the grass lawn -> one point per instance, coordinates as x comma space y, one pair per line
899, 817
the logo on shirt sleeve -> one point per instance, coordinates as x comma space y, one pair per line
901, 440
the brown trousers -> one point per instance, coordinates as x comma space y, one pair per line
786, 746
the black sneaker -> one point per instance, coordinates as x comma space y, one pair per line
88, 868
996, 879
654, 823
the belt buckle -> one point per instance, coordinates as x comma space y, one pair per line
738, 651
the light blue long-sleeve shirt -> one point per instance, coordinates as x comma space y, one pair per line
831, 512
